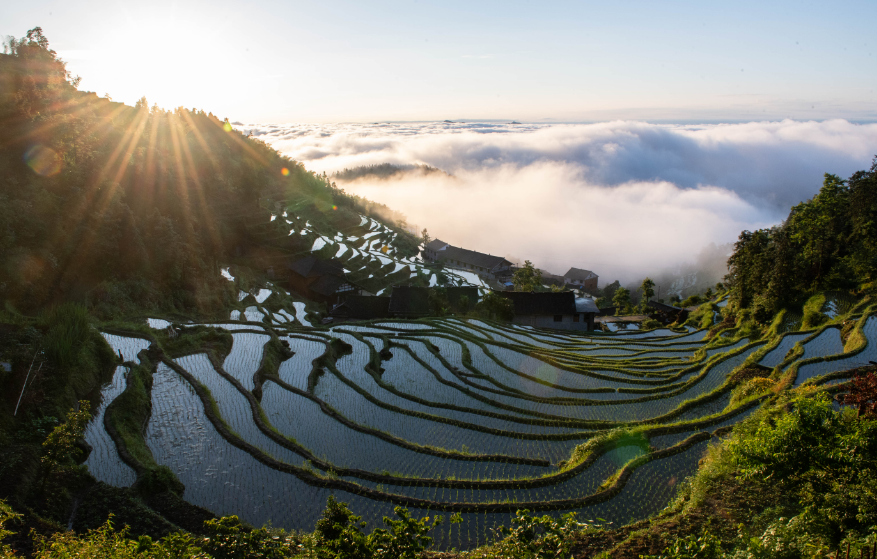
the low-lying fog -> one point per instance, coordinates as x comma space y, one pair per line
623, 199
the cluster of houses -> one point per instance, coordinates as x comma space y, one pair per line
486, 266
492, 267
326, 281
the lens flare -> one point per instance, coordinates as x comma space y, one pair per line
226, 126
284, 172
334, 207
44, 161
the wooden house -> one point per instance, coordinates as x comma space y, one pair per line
485, 265
582, 279
321, 280
561, 311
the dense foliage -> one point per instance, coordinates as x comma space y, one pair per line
125, 206
811, 472
828, 242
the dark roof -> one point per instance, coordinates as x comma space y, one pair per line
586, 304
579, 274
361, 306
436, 244
473, 257
546, 275
528, 303
662, 307
310, 267
327, 285
410, 301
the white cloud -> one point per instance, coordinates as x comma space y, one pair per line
621, 198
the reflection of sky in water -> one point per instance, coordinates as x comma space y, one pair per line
227, 480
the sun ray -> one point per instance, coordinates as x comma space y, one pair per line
97, 202
208, 221
182, 185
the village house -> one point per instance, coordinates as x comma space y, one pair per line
362, 307
485, 265
321, 280
414, 302
582, 279
561, 311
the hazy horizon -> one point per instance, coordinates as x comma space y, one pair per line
408, 61
622, 198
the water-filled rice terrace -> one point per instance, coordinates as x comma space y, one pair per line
449, 416
369, 254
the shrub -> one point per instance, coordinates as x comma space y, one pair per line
159, 480
228, 538
339, 533
67, 330
6, 515
61, 442
407, 537
495, 306
705, 546
544, 537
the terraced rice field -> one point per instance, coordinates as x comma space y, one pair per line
447, 415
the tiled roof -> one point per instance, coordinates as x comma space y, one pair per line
327, 285
529, 303
579, 274
663, 307
586, 304
310, 267
436, 245
473, 258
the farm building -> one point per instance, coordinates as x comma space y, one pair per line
414, 302
583, 279
362, 307
485, 265
409, 302
562, 311
321, 280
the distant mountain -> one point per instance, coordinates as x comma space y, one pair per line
385, 171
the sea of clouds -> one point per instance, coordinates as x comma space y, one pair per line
623, 198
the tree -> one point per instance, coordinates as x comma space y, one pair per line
438, 301
406, 538
339, 533
496, 307
61, 442
621, 300
609, 290
528, 278
426, 237
464, 304
648, 289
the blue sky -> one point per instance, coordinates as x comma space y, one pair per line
269, 61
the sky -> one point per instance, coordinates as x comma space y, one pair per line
352, 61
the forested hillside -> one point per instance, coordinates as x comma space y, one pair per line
826, 243
123, 207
